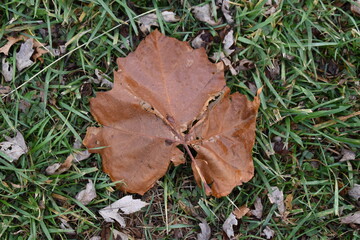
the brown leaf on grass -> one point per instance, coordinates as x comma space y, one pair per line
241, 211
10, 41
202, 40
4, 89
156, 105
288, 202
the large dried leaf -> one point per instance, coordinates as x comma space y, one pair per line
160, 91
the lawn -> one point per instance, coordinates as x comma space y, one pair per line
305, 55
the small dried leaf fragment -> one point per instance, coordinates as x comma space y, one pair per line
268, 232
258, 211
14, 147
203, 13
225, 8
347, 155
355, 7
205, 233
228, 42
354, 192
126, 204
150, 20
66, 226
88, 194
277, 197
24, 55
7, 70
241, 211
351, 218
152, 108
58, 168
228, 225
4, 89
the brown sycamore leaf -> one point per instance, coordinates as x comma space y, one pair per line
167, 94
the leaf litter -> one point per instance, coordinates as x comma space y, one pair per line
14, 147
228, 226
151, 20
158, 107
277, 197
88, 194
205, 233
77, 156
258, 211
7, 70
126, 204
204, 14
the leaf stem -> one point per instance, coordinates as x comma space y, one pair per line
206, 186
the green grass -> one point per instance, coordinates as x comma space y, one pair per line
319, 84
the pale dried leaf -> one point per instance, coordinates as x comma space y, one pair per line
58, 168
198, 41
272, 7
14, 147
245, 64
347, 155
268, 232
241, 211
229, 224
150, 20
355, 7
147, 21
117, 235
88, 194
170, 16
4, 89
228, 42
221, 56
7, 70
103, 79
203, 14
95, 238
277, 197
351, 218
24, 55
225, 8
80, 156
66, 226
354, 192
126, 204
205, 233
258, 211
